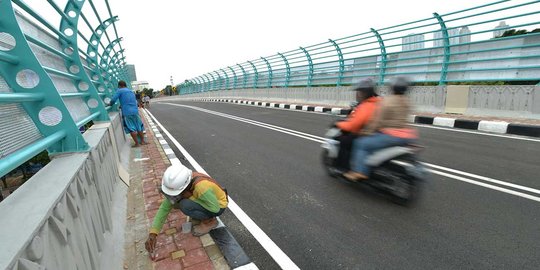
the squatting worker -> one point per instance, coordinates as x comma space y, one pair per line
130, 112
197, 195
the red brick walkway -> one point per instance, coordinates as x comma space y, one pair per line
174, 249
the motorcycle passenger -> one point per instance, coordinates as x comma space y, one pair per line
356, 121
388, 128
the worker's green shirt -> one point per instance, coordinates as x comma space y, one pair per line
206, 193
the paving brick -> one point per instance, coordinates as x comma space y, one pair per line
176, 215
152, 204
194, 257
178, 254
164, 252
201, 266
189, 243
168, 264
164, 240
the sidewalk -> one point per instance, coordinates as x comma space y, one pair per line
174, 249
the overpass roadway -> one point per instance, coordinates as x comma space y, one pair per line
479, 209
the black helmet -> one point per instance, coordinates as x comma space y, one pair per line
367, 86
399, 85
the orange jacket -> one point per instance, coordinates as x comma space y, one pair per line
360, 116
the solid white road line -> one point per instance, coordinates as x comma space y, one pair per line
514, 137
256, 123
505, 190
483, 178
321, 139
275, 252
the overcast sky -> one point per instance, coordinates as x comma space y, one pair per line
188, 38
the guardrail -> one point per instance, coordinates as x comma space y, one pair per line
498, 41
54, 78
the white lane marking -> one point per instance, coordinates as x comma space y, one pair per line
505, 190
483, 178
321, 139
257, 123
275, 252
516, 137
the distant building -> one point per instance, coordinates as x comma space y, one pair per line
139, 85
500, 29
412, 42
131, 72
452, 37
465, 35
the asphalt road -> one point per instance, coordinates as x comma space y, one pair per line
321, 223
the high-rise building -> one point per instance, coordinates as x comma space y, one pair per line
500, 29
439, 41
131, 72
465, 35
412, 42
139, 85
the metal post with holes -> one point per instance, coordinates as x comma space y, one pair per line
32, 87
68, 26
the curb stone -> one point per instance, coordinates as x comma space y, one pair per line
500, 127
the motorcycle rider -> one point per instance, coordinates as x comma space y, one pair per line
388, 128
356, 121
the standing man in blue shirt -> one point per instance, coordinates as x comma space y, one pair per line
130, 112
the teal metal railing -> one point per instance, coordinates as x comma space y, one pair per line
469, 45
54, 79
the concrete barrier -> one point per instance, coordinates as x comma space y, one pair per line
69, 214
521, 101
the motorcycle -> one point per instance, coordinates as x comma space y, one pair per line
395, 171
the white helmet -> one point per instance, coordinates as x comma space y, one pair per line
175, 179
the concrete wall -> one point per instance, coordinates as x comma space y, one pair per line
504, 100
493, 100
63, 218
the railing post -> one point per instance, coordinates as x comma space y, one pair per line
213, 87
226, 79
288, 78
235, 78
256, 74
93, 46
310, 67
382, 68
269, 84
68, 26
244, 84
446, 40
341, 62
207, 83
50, 114
199, 84
218, 79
